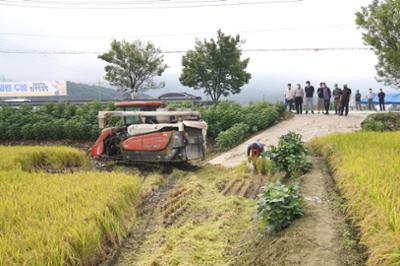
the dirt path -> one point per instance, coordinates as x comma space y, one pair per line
308, 126
320, 237
147, 223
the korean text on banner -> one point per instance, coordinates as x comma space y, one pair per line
33, 88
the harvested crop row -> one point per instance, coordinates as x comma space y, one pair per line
366, 167
30, 158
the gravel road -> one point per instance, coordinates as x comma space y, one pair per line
308, 126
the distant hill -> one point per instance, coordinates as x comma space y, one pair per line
82, 92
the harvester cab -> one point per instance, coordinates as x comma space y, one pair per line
151, 134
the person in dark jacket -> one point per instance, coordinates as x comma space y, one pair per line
326, 93
254, 150
309, 91
358, 100
337, 93
381, 96
320, 94
345, 99
298, 99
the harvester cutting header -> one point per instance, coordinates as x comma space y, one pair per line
151, 134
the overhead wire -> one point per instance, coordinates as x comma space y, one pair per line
172, 34
117, 2
77, 52
154, 6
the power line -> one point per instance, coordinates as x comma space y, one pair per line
172, 34
27, 5
76, 52
92, 3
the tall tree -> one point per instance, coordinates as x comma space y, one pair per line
216, 67
380, 22
133, 66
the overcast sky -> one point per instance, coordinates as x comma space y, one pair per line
303, 24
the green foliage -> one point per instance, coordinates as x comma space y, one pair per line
55, 121
234, 135
279, 205
225, 115
290, 155
221, 117
61, 121
381, 24
216, 67
263, 166
382, 122
259, 115
133, 65
238, 122
280, 108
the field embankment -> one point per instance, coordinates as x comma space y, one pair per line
366, 168
58, 219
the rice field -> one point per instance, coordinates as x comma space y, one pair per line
366, 167
60, 219
30, 158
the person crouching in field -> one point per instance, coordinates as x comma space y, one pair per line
309, 91
345, 99
320, 94
337, 93
298, 99
254, 151
289, 97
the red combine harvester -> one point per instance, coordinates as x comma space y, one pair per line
151, 134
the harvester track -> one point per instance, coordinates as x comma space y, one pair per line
249, 187
178, 202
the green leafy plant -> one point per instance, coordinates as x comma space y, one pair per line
232, 136
279, 205
382, 122
263, 166
290, 155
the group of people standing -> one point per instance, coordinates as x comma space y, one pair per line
295, 98
371, 96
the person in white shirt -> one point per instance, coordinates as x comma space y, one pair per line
371, 96
298, 99
289, 97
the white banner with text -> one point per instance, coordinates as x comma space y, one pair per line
33, 88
